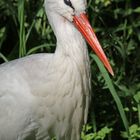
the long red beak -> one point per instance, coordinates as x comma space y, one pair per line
83, 25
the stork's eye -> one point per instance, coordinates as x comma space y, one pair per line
68, 2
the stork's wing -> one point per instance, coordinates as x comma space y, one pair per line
17, 103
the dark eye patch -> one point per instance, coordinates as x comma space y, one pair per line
68, 2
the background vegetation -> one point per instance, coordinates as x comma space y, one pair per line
115, 107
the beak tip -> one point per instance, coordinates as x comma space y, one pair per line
108, 66
111, 71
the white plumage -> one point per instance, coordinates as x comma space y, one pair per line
46, 95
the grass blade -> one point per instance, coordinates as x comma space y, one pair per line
22, 38
3, 57
112, 91
39, 47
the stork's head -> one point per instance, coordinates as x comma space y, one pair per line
75, 12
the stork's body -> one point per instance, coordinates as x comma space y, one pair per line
49, 91
47, 95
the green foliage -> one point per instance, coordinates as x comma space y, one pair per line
100, 135
115, 106
134, 132
103, 2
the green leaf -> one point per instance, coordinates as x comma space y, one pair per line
3, 57
137, 10
112, 91
22, 38
137, 97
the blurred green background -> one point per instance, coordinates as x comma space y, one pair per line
115, 109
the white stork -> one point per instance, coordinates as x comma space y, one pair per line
46, 95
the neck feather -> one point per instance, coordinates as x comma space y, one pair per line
70, 42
